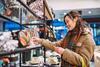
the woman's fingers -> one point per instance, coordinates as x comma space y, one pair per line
36, 39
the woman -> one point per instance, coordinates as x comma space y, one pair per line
77, 48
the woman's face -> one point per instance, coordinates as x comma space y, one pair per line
70, 23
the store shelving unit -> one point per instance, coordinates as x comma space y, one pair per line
47, 14
18, 50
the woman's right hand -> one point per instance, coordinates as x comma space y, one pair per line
37, 40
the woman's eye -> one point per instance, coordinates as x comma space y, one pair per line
67, 21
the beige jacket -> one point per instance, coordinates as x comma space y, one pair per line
84, 48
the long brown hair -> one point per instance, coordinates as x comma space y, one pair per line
80, 24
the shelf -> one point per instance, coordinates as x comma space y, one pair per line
48, 13
28, 9
4, 18
35, 24
18, 50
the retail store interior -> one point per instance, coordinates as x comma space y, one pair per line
22, 20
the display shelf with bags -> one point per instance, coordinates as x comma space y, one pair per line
8, 53
24, 16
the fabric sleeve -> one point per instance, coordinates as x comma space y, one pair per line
51, 45
48, 44
58, 43
62, 42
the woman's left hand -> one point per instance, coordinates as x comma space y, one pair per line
59, 50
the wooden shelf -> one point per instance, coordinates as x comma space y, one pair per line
48, 13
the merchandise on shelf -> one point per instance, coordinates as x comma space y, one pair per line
36, 60
37, 7
52, 60
6, 42
25, 37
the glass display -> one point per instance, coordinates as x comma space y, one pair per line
96, 32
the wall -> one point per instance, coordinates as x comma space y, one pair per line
73, 4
